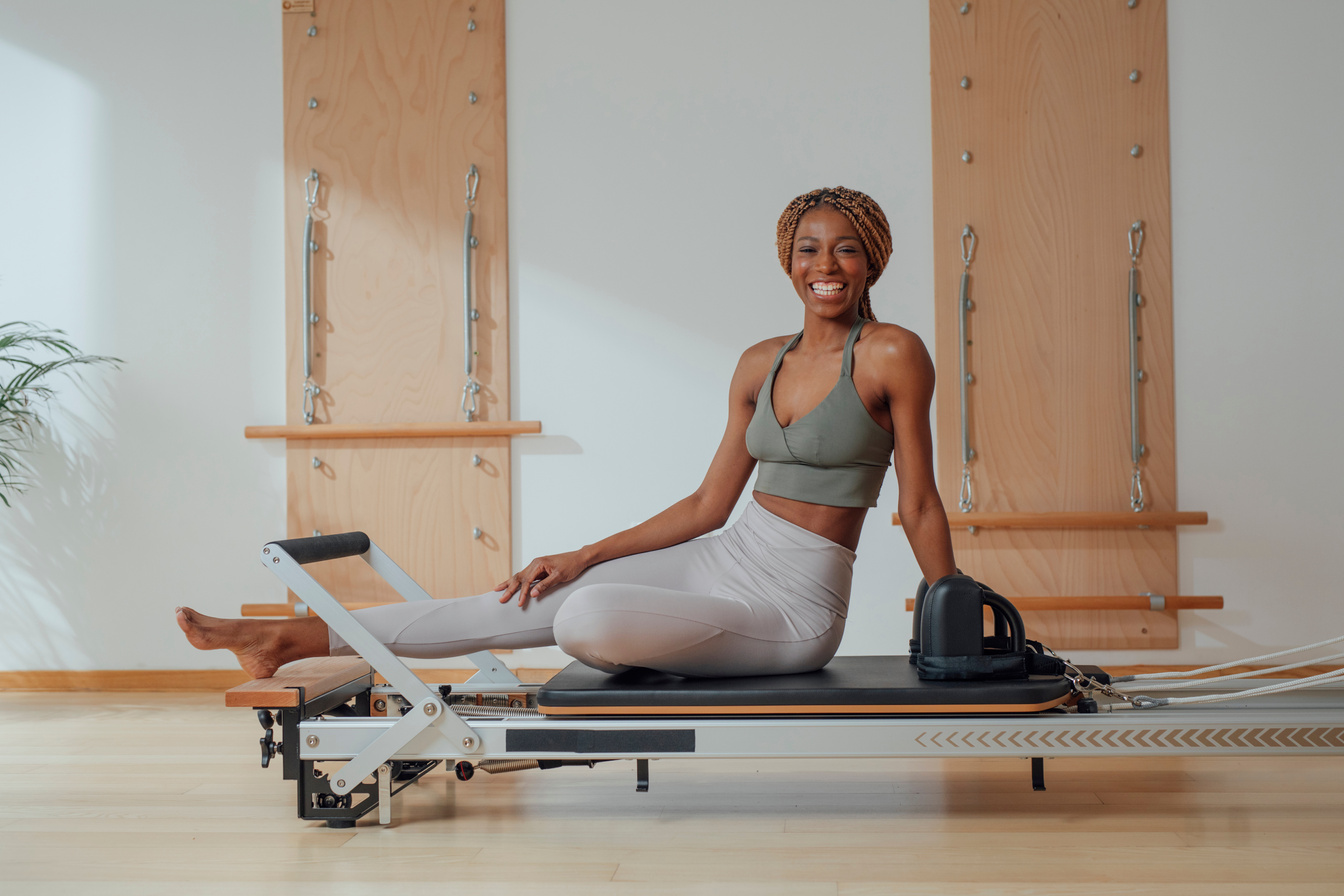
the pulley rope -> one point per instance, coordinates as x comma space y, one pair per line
1153, 676
1142, 701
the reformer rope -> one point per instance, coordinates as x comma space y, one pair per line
1141, 701
1153, 676
1254, 673
1083, 682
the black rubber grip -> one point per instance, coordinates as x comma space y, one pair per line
325, 547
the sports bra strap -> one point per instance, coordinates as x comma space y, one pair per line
788, 347
847, 359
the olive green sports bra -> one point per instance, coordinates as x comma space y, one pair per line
835, 454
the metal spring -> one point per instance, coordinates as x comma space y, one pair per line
493, 712
499, 766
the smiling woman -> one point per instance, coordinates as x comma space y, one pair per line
822, 411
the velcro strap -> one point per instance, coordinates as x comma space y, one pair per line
973, 668
1040, 664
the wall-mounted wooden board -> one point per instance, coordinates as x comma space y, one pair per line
392, 137
418, 499
391, 102
1049, 117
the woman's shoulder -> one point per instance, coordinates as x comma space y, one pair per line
763, 352
893, 348
891, 339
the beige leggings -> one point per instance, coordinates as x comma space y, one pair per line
763, 597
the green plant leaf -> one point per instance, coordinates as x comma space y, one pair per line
29, 354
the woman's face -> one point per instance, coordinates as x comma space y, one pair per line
829, 266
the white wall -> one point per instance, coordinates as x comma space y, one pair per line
651, 148
1256, 194
140, 210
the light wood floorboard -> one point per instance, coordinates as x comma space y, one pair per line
160, 793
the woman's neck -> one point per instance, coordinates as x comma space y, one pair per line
827, 333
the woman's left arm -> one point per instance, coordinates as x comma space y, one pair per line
908, 378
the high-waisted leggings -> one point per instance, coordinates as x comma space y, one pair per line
763, 597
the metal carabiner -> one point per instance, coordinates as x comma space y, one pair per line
967, 248
965, 502
473, 181
310, 391
1135, 245
469, 399
1136, 490
310, 185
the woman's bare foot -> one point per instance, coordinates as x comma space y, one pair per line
261, 645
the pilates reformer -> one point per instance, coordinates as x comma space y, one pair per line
351, 744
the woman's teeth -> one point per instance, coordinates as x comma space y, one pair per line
828, 289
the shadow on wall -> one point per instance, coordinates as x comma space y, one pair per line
47, 539
546, 445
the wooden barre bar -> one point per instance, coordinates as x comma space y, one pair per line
288, 609
1119, 602
395, 430
1071, 520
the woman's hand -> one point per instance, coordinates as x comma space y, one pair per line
541, 575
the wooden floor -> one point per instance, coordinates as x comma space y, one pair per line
149, 794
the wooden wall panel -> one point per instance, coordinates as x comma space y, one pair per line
391, 102
392, 137
418, 499
1049, 119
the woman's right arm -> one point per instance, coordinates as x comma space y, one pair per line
704, 510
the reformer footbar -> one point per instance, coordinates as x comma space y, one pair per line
997, 696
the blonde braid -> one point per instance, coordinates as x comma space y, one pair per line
868, 220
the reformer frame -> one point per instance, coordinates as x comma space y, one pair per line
491, 722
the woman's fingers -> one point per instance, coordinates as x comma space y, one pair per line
539, 576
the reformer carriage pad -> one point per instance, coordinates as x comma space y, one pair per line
848, 685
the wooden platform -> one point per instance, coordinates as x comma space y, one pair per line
316, 676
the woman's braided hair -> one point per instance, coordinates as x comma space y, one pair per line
867, 218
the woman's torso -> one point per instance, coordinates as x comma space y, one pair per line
814, 385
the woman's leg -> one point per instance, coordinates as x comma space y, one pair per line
616, 627
772, 603
441, 628
431, 629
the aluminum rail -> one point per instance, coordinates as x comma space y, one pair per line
1308, 725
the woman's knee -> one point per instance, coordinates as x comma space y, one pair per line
589, 628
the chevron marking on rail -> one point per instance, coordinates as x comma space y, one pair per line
1298, 738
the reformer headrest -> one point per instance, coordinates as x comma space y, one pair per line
950, 643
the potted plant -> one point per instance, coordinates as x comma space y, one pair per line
29, 355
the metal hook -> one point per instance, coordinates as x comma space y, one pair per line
967, 248
310, 391
965, 501
310, 185
469, 398
1136, 490
1135, 245
473, 181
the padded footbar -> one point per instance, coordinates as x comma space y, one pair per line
851, 685
325, 547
